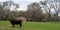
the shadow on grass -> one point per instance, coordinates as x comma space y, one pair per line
9, 28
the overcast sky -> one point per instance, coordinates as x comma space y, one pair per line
23, 3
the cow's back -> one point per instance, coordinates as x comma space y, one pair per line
15, 21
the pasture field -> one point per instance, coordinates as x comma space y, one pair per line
5, 25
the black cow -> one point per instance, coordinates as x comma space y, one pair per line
16, 22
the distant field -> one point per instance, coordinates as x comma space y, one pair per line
5, 25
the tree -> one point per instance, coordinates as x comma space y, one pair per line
35, 11
55, 5
46, 10
5, 8
56, 9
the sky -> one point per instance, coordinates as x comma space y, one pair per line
23, 3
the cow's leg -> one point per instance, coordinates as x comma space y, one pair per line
21, 24
13, 25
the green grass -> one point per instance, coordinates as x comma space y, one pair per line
5, 25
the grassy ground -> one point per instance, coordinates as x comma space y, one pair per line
5, 25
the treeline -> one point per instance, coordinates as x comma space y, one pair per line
34, 12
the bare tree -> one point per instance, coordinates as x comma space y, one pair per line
46, 9
35, 10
